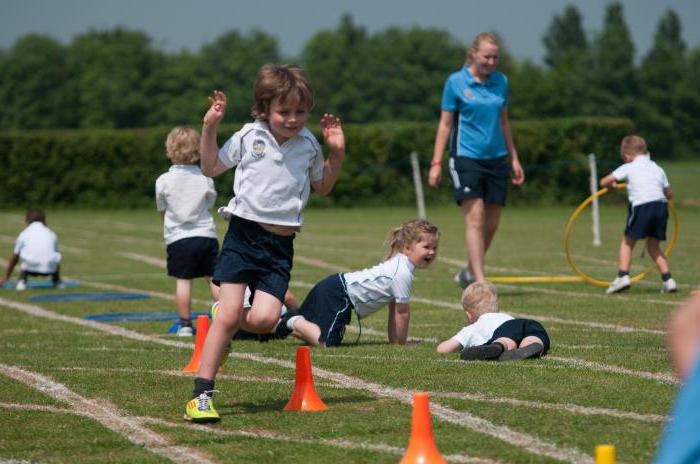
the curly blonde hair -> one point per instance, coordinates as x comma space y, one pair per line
182, 145
409, 233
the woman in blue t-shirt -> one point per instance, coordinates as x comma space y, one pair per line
474, 118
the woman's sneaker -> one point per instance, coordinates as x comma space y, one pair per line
21, 285
620, 284
464, 278
201, 410
669, 286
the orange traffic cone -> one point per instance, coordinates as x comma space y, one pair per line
304, 396
421, 446
202, 331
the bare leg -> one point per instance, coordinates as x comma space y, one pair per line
183, 298
508, 343
657, 255
263, 315
307, 331
227, 322
480, 222
213, 289
626, 247
529, 340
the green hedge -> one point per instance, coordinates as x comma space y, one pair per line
91, 168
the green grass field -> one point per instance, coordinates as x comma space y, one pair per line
72, 391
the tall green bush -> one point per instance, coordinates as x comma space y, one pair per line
118, 168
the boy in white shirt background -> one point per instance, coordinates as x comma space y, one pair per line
36, 249
184, 197
649, 191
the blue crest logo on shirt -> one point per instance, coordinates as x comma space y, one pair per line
258, 148
468, 93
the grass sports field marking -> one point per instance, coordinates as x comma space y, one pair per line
658, 376
572, 408
336, 443
107, 415
480, 425
158, 262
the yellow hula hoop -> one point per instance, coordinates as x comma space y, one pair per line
602, 283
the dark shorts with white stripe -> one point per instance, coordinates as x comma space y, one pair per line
328, 306
647, 220
474, 178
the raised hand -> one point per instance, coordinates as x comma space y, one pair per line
333, 135
217, 109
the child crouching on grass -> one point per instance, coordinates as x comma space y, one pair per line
492, 334
184, 197
278, 160
328, 307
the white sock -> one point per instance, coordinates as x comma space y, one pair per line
292, 320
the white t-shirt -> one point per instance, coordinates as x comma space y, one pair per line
645, 180
37, 248
186, 197
482, 330
272, 181
372, 288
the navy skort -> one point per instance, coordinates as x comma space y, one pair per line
328, 306
192, 257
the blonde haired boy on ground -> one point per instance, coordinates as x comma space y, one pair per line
649, 191
492, 334
184, 197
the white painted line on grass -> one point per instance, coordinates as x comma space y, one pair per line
520, 439
571, 408
321, 264
335, 443
158, 262
108, 415
658, 376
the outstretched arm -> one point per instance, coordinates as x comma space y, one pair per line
441, 136
398, 322
208, 148
608, 181
683, 336
449, 346
10, 267
334, 139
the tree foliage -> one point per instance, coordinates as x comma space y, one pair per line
116, 78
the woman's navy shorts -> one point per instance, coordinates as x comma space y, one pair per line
476, 178
192, 257
252, 255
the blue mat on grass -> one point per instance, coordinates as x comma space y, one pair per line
92, 296
139, 317
39, 284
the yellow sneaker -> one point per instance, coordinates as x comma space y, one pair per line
201, 410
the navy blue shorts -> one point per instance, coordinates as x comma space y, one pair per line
473, 178
252, 255
328, 306
518, 329
647, 220
192, 257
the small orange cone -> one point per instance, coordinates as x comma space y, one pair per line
304, 396
421, 446
202, 331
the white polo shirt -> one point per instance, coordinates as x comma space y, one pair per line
272, 181
186, 197
371, 289
37, 248
482, 330
645, 180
